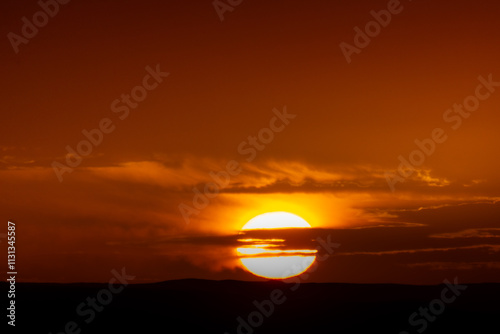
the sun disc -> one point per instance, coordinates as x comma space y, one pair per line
263, 257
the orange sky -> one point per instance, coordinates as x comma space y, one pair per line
227, 81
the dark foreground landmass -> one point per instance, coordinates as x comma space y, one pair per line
202, 306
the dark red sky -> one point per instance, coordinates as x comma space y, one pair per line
120, 205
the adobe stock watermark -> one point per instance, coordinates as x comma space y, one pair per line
95, 304
11, 272
120, 106
455, 116
249, 148
222, 6
420, 320
372, 29
30, 28
266, 307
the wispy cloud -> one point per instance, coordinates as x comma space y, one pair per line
470, 233
488, 247
456, 265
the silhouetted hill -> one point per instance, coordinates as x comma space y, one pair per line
203, 306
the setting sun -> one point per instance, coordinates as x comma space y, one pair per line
270, 258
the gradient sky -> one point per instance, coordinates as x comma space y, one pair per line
120, 206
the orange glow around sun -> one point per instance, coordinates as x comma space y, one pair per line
275, 220
309, 207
